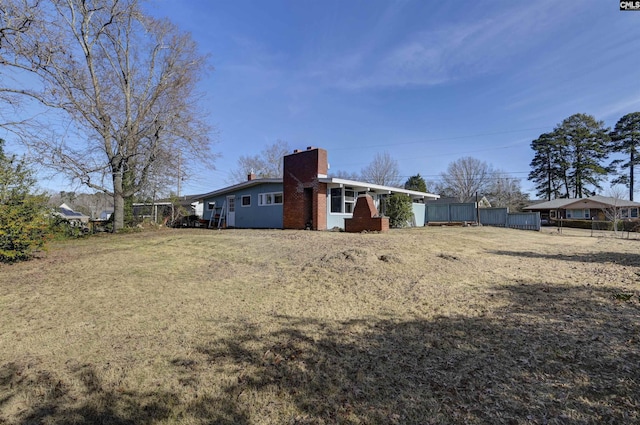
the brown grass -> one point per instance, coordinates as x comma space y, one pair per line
417, 326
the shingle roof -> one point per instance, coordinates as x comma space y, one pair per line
552, 205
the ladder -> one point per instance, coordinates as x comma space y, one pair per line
222, 214
213, 214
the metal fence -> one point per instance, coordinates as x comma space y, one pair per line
467, 212
446, 213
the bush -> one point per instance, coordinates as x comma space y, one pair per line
399, 209
23, 228
61, 228
23, 219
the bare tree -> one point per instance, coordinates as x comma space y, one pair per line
383, 170
464, 177
122, 85
267, 164
340, 174
505, 191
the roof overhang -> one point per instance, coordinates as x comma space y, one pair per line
235, 187
376, 188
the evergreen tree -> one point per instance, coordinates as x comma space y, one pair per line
587, 142
398, 208
416, 183
549, 166
625, 139
23, 223
569, 161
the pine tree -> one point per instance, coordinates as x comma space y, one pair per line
549, 166
625, 139
416, 183
587, 141
569, 161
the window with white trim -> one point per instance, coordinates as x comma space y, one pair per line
211, 205
268, 199
349, 200
246, 201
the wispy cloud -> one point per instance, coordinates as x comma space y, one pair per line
443, 53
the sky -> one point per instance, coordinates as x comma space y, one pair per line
427, 81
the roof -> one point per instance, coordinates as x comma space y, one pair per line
328, 180
595, 201
555, 204
65, 211
377, 188
243, 185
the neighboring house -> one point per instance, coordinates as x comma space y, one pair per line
592, 208
305, 198
76, 219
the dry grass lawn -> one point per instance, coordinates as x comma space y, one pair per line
416, 326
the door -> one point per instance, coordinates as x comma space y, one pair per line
231, 211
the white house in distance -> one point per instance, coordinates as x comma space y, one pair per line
305, 198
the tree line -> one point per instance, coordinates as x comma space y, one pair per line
571, 160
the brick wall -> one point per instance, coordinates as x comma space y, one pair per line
365, 217
305, 198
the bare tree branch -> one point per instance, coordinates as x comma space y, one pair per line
125, 81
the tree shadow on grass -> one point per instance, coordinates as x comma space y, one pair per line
599, 257
540, 354
50, 400
531, 362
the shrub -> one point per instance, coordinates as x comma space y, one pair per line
399, 209
23, 219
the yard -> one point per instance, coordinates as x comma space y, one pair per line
417, 326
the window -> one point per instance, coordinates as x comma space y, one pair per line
211, 205
266, 199
349, 200
246, 200
336, 200
578, 214
634, 212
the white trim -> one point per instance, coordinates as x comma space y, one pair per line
263, 199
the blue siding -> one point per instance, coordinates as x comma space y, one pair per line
253, 216
335, 219
420, 213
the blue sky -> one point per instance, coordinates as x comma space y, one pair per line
427, 81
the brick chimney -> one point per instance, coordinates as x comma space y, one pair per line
305, 198
251, 176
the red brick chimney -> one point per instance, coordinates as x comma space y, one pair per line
305, 198
251, 176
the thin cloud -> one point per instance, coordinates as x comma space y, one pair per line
440, 55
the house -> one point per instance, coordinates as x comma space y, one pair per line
305, 198
75, 219
591, 208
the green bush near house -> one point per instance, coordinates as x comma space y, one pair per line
24, 227
399, 210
